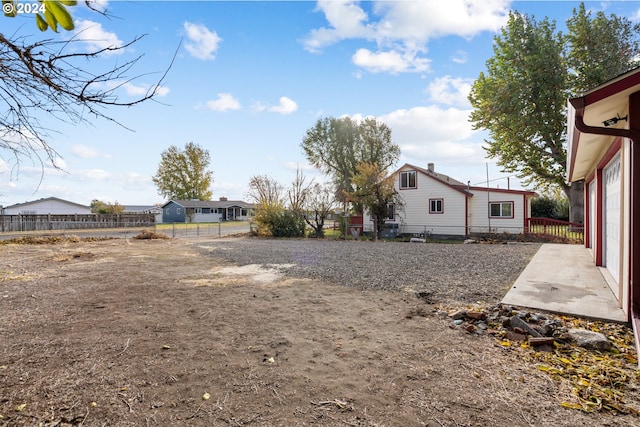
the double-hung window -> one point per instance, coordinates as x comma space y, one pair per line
501, 209
408, 180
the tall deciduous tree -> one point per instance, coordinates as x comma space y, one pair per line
184, 174
521, 98
337, 146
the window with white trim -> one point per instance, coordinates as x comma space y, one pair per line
501, 210
436, 206
408, 180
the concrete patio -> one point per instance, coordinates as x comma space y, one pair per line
563, 279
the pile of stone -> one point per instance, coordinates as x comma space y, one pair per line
513, 324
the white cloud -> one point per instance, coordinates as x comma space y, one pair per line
91, 175
393, 62
435, 134
346, 20
95, 37
460, 57
143, 90
86, 152
402, 29
286, 106
224, 102
450, 91
203, 43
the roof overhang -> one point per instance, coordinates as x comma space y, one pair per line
588, 112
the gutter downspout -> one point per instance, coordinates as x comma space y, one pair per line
634, 209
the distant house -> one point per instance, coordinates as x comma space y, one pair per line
145, 209
436, 204
206, 211
49, 205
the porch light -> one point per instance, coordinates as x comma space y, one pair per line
612, 121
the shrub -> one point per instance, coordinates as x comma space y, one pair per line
274, 220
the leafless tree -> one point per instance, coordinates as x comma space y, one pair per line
51, 79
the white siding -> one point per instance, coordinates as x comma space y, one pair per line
415, 217
479, 220
47, 206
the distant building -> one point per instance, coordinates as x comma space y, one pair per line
49, 205
206, 210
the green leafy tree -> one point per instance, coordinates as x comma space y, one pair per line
337, 146
100, 207
376, 192
600, 47
521, 98
184, 174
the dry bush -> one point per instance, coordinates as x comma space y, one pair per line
150, 235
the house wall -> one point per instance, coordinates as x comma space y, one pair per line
479, 220
173, 212
414, 217
47, 206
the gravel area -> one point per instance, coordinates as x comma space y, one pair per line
439, 272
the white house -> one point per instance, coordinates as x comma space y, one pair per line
49, 205
436, 204
603, 150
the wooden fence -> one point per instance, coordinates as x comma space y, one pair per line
554, 228
35, 222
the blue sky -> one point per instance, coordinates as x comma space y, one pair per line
249, 78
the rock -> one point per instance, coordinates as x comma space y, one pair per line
458, 322
517, 322
456, 315
590, 340
514, 336
476, 315
538, 341
470, 328
470, 241
417, 240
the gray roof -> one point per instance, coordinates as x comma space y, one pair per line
212, 204
17, 205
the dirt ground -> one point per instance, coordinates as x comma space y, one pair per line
161, 333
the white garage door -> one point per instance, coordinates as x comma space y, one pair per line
612, 219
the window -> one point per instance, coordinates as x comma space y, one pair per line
178, 211
436, 206
390, 214
206, 210
197, 210
391, 211
407, 180
501, 210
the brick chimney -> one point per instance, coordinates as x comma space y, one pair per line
223, 199
431, 167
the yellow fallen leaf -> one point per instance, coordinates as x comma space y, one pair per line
93, 404
505, 343
21, 407
206, 396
